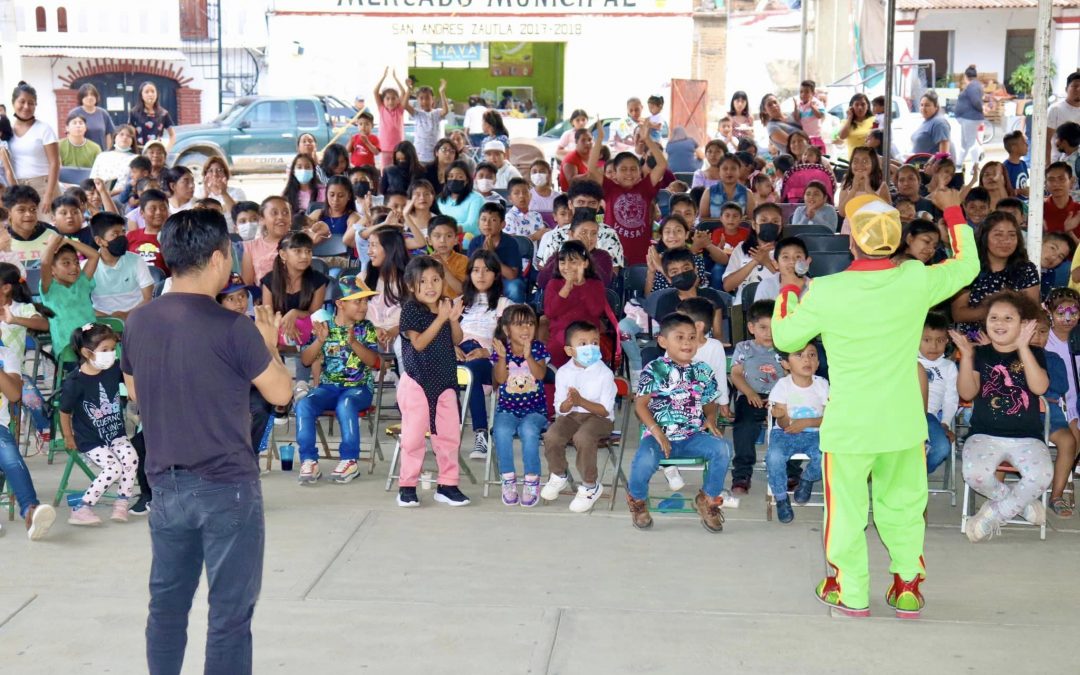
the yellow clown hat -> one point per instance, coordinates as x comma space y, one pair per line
875, 225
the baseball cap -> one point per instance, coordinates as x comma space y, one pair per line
353, 288
235, 284
494, 146
875, 225
152, 143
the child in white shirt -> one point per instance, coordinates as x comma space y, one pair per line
584, 414
798, 404
943, 399
520, 221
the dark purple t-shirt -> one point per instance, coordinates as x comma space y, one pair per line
193, 362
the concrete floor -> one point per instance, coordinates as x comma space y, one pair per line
353, 583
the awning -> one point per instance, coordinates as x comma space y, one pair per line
918, 5
122, 54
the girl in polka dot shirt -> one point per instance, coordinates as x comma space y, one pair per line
519, 366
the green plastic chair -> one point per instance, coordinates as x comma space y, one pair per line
65, 362
688, 501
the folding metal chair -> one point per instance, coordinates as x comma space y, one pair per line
465, 381
371, 416
948, 480
1011, 475
770, 498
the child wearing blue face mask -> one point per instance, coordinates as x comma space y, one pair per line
584, 414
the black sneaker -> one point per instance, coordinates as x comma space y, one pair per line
451, 495
406, 496
141, 507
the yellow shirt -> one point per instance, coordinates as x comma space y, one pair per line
858, 133
1075, 263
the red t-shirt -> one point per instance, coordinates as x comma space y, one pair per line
582, 168
629, 212
358, 152
1054, 218
147, 246
729, 241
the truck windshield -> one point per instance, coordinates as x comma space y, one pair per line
233, 113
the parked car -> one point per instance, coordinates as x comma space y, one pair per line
259, 133
904, 123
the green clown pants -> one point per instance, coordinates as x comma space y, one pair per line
900, 493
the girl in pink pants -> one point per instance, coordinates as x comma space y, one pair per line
427, 392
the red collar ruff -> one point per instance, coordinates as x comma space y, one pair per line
867, 265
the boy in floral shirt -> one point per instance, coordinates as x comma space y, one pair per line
346, 345
677, 399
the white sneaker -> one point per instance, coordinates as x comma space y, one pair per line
553, 487
983, 525
309, 472
1035, 513
300, 390
480, 446
586, 497
730, 500
674, 478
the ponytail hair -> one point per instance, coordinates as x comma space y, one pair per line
20, 292
89, 336
514, 314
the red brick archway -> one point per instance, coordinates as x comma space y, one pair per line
188, 100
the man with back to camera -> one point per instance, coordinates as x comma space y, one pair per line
190, 363
870, 319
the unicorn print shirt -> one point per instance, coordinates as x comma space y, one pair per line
522, 394
93, 401
1005, 407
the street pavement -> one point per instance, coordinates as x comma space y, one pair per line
353, 583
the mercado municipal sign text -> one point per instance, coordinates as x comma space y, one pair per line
496, 5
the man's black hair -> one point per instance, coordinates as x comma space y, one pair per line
578, 327
100, 223
494, 207
141, 163
977, 194
673, 321
762, 309
190, 237
152, 195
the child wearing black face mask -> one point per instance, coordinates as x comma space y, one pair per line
753, 260
674, 234
680, 267
122, 279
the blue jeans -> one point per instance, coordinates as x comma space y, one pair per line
715, 451
347, 404
196, 521
33, 401
481, 374
528, 429
514, 289
630, 347
939, 448
16, 473
782, 446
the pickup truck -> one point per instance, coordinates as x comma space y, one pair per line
258, 134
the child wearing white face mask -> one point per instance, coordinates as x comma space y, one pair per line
542, 193
245, 215
484, 183
92, 421
584, 414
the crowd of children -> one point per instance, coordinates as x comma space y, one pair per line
545, 282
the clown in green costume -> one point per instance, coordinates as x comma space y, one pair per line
870, 320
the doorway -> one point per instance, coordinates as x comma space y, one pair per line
937, 45
1019, 44
120, 90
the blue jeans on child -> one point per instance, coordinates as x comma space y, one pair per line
528, 429
782, 446
34, 402
514, 289
939, 447
630, 347
715, 451
347, 403
16, 473
481, 375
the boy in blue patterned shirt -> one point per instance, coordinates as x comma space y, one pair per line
347, 347
677, 401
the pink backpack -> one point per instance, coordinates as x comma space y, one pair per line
797, 178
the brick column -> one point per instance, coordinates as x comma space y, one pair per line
66, 99
188, 105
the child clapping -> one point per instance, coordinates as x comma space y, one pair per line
584, 413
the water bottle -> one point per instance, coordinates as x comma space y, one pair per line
287, 452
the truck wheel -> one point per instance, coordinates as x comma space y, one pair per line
193, 160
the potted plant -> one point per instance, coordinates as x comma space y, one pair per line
1023, 78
